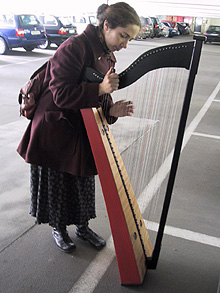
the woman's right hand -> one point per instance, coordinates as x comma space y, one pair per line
110, 83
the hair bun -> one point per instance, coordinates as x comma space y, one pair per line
101, 9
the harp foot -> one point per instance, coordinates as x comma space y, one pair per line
86, 234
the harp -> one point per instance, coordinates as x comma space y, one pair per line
134, 250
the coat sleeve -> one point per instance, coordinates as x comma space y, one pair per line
66, 69
106, 103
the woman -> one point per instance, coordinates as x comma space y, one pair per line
56, 144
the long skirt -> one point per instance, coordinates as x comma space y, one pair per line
61, 199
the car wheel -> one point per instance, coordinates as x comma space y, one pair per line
45, 45
3, 46
29, 48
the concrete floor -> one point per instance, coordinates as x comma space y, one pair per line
190, 255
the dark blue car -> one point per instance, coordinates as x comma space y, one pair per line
23, 30
58, 29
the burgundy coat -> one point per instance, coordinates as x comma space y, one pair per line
56, 136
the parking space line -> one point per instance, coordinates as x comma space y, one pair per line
97, 268
206, 135
23, 62
185, 234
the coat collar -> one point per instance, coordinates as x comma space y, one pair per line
91, 32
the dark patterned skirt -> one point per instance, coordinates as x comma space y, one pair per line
61, 199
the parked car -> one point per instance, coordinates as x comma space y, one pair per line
165, 30
157, 27
20, 30
173, 24
212, 34
183, 28
58, 29
168, 31
82, 21
146, 30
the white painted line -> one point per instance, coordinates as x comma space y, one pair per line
216, 101
200, 115
23, 62
218, 290
95, 271
206, 135
93, 274
185, 234
87, 282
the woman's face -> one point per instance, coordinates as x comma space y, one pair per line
118, 38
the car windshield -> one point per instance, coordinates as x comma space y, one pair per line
28, 20
214, 28
65, 20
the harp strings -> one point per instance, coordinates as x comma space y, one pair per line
167, 129
146, 138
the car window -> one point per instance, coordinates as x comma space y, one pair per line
65, 20
153, 20
6, 20
78, 19
92, 19
148, 21
167, 24
182, 23
214, 28
143, 20
28, 20
50, 20
157, 20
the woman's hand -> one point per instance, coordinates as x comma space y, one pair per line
122, 108
110, 83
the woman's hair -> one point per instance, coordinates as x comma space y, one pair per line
118, 14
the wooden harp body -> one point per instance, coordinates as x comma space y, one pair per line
133, 247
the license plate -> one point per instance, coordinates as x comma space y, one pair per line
35, 33
71, 31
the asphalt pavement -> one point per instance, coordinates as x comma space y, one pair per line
190, 255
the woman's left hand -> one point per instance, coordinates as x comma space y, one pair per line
122, 108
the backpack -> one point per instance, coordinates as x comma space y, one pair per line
31, 91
